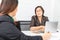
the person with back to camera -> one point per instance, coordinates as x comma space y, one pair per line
8, 30
38, 20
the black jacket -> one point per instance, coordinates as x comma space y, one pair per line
8, 31
7, 28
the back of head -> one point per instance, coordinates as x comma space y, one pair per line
8, 6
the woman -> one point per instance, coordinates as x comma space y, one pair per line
8, 30
38, 20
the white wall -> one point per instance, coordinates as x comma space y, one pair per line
26, 8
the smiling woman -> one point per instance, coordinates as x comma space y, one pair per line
38, 20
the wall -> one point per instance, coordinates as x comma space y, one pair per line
26, 8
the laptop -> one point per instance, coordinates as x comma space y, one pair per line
51, 27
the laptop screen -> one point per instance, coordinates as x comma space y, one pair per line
51, 26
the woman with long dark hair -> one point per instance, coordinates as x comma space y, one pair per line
38, 20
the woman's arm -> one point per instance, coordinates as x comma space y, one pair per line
37, 28
32, 25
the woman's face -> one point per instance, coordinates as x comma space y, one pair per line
39, 12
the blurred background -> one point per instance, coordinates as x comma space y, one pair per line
26, 9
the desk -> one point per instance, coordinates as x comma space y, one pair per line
54, 36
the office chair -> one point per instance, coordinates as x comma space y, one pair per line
25, 25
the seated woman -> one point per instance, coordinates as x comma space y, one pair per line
38, 20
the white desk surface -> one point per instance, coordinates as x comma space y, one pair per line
54, 36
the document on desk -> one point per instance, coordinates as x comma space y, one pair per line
54, 36
29, 33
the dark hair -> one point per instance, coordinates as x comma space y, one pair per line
8, 6
41, 9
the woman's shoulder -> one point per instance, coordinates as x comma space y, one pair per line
45, 18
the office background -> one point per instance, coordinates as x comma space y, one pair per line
51, 7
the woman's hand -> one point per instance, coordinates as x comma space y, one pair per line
46, 36
37, 29
42, 28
